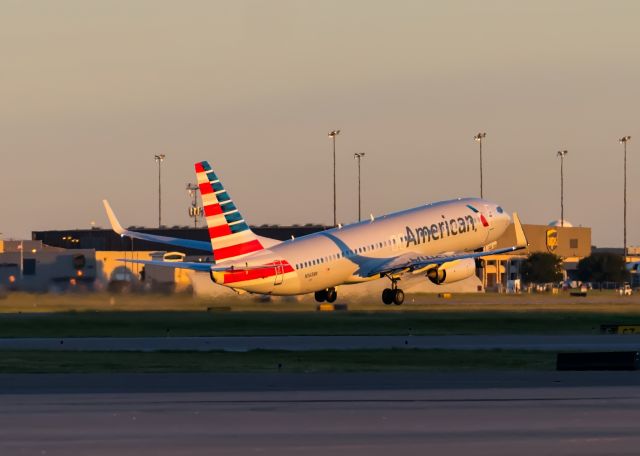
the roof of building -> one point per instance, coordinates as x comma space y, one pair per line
559, 222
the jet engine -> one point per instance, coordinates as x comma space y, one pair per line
452, 271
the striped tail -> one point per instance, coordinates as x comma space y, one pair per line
230, 236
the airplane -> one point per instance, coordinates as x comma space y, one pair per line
439, 241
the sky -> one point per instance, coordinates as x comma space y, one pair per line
90, 91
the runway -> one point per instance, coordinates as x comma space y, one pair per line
607, 342
490, 413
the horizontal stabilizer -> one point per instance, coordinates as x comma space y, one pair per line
197, 266
194, 266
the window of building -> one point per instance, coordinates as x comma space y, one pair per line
573, 243
29, 266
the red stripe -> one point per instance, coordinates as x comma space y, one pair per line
236, 250
212, 209
483, 220
206, 188
218, 231
199, 168
268, 271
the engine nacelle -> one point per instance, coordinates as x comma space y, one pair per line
452, 271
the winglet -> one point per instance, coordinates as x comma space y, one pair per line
521, 239
115, 224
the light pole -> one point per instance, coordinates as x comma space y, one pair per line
194, 210
21, 259
358, 156
159, 159
624, 140
332, 135
562, 154
479, 137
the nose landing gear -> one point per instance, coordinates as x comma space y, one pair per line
393, 295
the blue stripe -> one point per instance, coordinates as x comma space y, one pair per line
212, 176
217, 186
235, 217
238, 227
472, 208
206, 166
222, 197
228, 207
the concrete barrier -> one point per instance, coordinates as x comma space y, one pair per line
598, 361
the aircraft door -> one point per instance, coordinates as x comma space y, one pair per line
278, 278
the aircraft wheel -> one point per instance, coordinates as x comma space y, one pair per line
398, 297
387, 296
321, 296
332, 295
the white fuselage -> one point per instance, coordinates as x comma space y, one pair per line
335, 257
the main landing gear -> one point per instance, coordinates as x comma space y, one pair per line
393, 295
329, 295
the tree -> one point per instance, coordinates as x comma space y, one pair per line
602, 267
542, 268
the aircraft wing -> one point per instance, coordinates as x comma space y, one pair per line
413, 261
177, 242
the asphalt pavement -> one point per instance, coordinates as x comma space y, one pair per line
605, 342
486, 413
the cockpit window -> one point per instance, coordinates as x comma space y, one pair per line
499, 209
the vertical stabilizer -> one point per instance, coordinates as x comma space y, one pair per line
230, 236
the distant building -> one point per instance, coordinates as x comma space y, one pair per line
108, 249
32, 266
108, 240
569, 243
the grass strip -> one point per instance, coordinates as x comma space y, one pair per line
148, 324
393, 360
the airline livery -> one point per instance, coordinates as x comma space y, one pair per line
439, 241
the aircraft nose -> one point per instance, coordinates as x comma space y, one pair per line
504, 216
